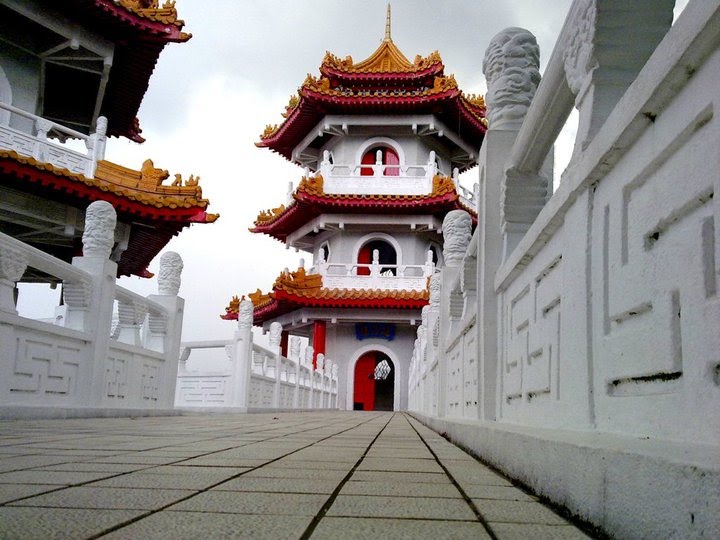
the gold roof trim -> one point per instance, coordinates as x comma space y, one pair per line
152, 11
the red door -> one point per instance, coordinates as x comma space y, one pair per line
364, 393
364, 257
389, 157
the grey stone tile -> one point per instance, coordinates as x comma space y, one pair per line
10, 492
478, 491
219, 473
396, 489
63, 478
137, 459
15, 463
317, 465
401, 507
211, 461
332, 528
159, 481
241, 502
517, 512
279, 485
478, 475
55, 523
84, 466
400, 465
171, 525
517, 531
390, 476
278, 472
107, 498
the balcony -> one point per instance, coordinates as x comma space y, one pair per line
44, 142
386, 179
386, 277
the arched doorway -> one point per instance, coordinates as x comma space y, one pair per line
388, 156
374, 383
386, 255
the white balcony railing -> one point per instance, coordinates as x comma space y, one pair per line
386, 179
387, 277
39, 146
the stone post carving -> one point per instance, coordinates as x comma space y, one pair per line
295, 348
13, 263
131, 316
457, 231
245, 314
320, 362
511, 67
275, 335
309, 355
99, 235
171, 266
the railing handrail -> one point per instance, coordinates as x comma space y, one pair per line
44, 262
124, 295
55, 125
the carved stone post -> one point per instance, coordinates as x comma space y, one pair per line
13, 263
242, 357
457, 232
309, 353
165, 329
275, 337
96, 146
90, 302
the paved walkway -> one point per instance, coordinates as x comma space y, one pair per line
290, 475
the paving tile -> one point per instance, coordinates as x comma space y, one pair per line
478, 474
240, 502
10, 492
137, 459
63, 478
171, 525
517, 512
478, 491
107, 498
278, 472
401, 507
409, 465
159, 481
279, 485
219, 473
518, 531
393, 476
331, 528
15, 463
84, 466
211, 461
317, 465
396, 489
55, 523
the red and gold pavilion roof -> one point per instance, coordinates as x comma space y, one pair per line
385, 83
310, 200
157, 211
295, 290
140, 29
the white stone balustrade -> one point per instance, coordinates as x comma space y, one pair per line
391, 277
258, 377
78, 364
40, 146
575, 341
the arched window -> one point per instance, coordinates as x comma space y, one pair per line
386, 255
388, 156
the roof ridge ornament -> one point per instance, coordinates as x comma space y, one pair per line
387, 25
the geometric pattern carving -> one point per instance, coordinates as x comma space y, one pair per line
150, 382
116, 377
46, 369
531, 366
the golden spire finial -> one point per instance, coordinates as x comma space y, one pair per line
387, 25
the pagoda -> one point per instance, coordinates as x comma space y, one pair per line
77, 70
382, 142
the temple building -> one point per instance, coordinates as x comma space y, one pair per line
76, 72
382, 142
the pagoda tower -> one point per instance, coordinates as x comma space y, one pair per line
382, 142
78, 70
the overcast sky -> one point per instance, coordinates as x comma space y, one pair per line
210, 98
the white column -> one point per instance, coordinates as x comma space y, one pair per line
242, 356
